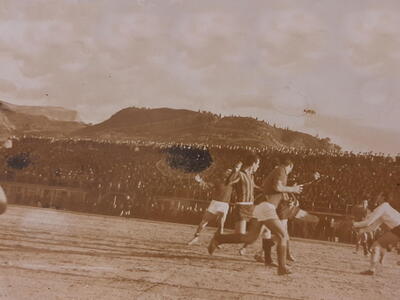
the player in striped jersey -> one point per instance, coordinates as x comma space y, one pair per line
245, 191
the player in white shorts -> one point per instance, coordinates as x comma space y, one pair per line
219, 207
383, 214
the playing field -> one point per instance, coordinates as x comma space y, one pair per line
49, 254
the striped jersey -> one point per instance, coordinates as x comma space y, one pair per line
245, 188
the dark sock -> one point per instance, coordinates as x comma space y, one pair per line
267, 245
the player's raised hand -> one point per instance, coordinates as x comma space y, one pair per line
297, 189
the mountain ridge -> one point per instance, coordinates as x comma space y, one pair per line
56, 113
182, 125
162, 124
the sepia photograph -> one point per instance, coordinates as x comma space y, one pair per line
199, 149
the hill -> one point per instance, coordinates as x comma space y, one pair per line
51, 112
160, 124
17, 120
178, 125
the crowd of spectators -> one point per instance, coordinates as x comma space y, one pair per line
144, 172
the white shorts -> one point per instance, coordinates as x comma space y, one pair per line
265, 211
217, 207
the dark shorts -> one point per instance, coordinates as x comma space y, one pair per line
244, 212
287, 212
396, 231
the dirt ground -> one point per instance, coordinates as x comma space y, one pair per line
49, 254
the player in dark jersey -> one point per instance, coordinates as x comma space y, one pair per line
219, 206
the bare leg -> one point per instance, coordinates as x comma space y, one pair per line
3, 201
222, 219
375, 257
242, 250
378, 250
383, 251
248, 238
285, 226
289, 254
363, 241
207, 217
240, 227
201, 227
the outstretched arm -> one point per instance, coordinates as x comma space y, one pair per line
281, 188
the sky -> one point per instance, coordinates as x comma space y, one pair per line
269, 59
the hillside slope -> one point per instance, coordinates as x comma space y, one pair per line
177, 125
51, 112
15, 120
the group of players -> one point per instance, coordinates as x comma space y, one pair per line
269, 211
254, 214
